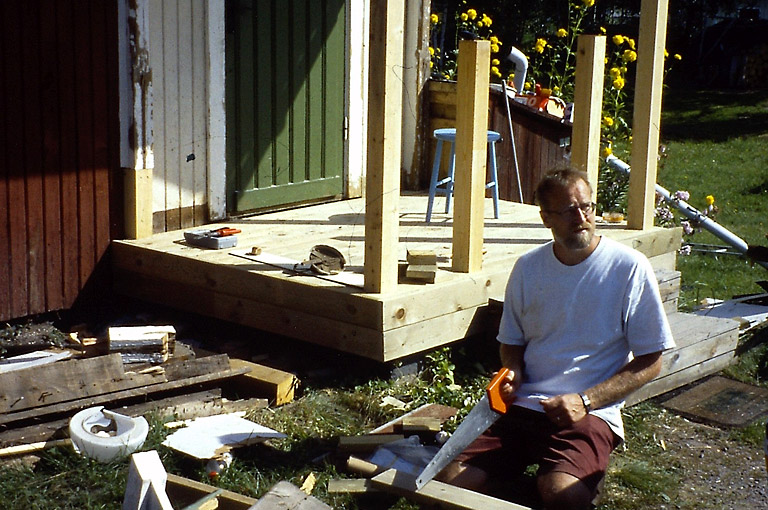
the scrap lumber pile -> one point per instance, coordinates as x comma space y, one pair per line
389, 474
133, 371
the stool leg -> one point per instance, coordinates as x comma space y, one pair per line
494, 184
433, 180
449, 183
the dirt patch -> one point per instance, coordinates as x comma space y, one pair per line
705, 467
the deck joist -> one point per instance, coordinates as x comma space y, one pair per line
414, 318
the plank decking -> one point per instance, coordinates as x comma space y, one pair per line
262, 292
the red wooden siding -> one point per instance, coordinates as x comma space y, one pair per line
58, 150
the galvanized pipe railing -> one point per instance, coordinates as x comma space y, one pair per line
691, 212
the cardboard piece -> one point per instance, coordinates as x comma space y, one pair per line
206, 437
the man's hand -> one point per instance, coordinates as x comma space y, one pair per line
564, 410
509, 386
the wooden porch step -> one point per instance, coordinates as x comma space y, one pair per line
705, 345
669, 288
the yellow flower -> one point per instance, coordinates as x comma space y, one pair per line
631, 43
495, 48
666, 53
556, 89
607, 151
603, 30
710, 199
471, 13
562, 32
480, 24
431, 51
495, 71
433, 18
618, 40
495, 62
677, 56
608, 121
540, 45
618, 83
629, 56
588, 3
464, 16
488, 21
431, 64
614, 72
494, 39
527, 85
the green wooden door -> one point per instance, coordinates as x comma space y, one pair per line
285, 102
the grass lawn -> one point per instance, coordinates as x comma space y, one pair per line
717, 144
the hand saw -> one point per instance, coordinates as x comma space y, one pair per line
482, 416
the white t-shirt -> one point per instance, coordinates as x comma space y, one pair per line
581, 324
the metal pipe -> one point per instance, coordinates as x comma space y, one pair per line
691, 212
521, 68
512, 140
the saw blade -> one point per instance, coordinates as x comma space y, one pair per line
477, 421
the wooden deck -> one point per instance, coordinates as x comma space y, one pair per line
262, 292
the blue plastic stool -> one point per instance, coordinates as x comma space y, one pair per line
445, 185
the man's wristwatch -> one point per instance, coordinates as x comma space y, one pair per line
585, 400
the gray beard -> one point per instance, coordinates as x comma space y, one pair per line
578, 242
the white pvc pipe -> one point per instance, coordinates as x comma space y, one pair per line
521, 68
691, 212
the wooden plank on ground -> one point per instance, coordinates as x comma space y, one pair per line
366, 442
183, 491
275, 385
68, 380
438, 411
438, 493
350, 486
117, 396
286, 496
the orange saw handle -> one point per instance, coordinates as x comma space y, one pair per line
495, 401
225, 231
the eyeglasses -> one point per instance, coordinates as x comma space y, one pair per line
586, 208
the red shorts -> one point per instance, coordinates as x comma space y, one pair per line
523, 437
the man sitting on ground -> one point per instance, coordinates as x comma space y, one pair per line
582, 327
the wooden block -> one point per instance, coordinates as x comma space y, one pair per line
267, 382
420, 424
425, 273
145, 488
366, 443
350, 486
362, 467
286, 496
442, 494
421, 257
183, 491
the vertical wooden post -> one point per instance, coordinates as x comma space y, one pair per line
382, 186
647, 117
588, 106
136, 144
472, 90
